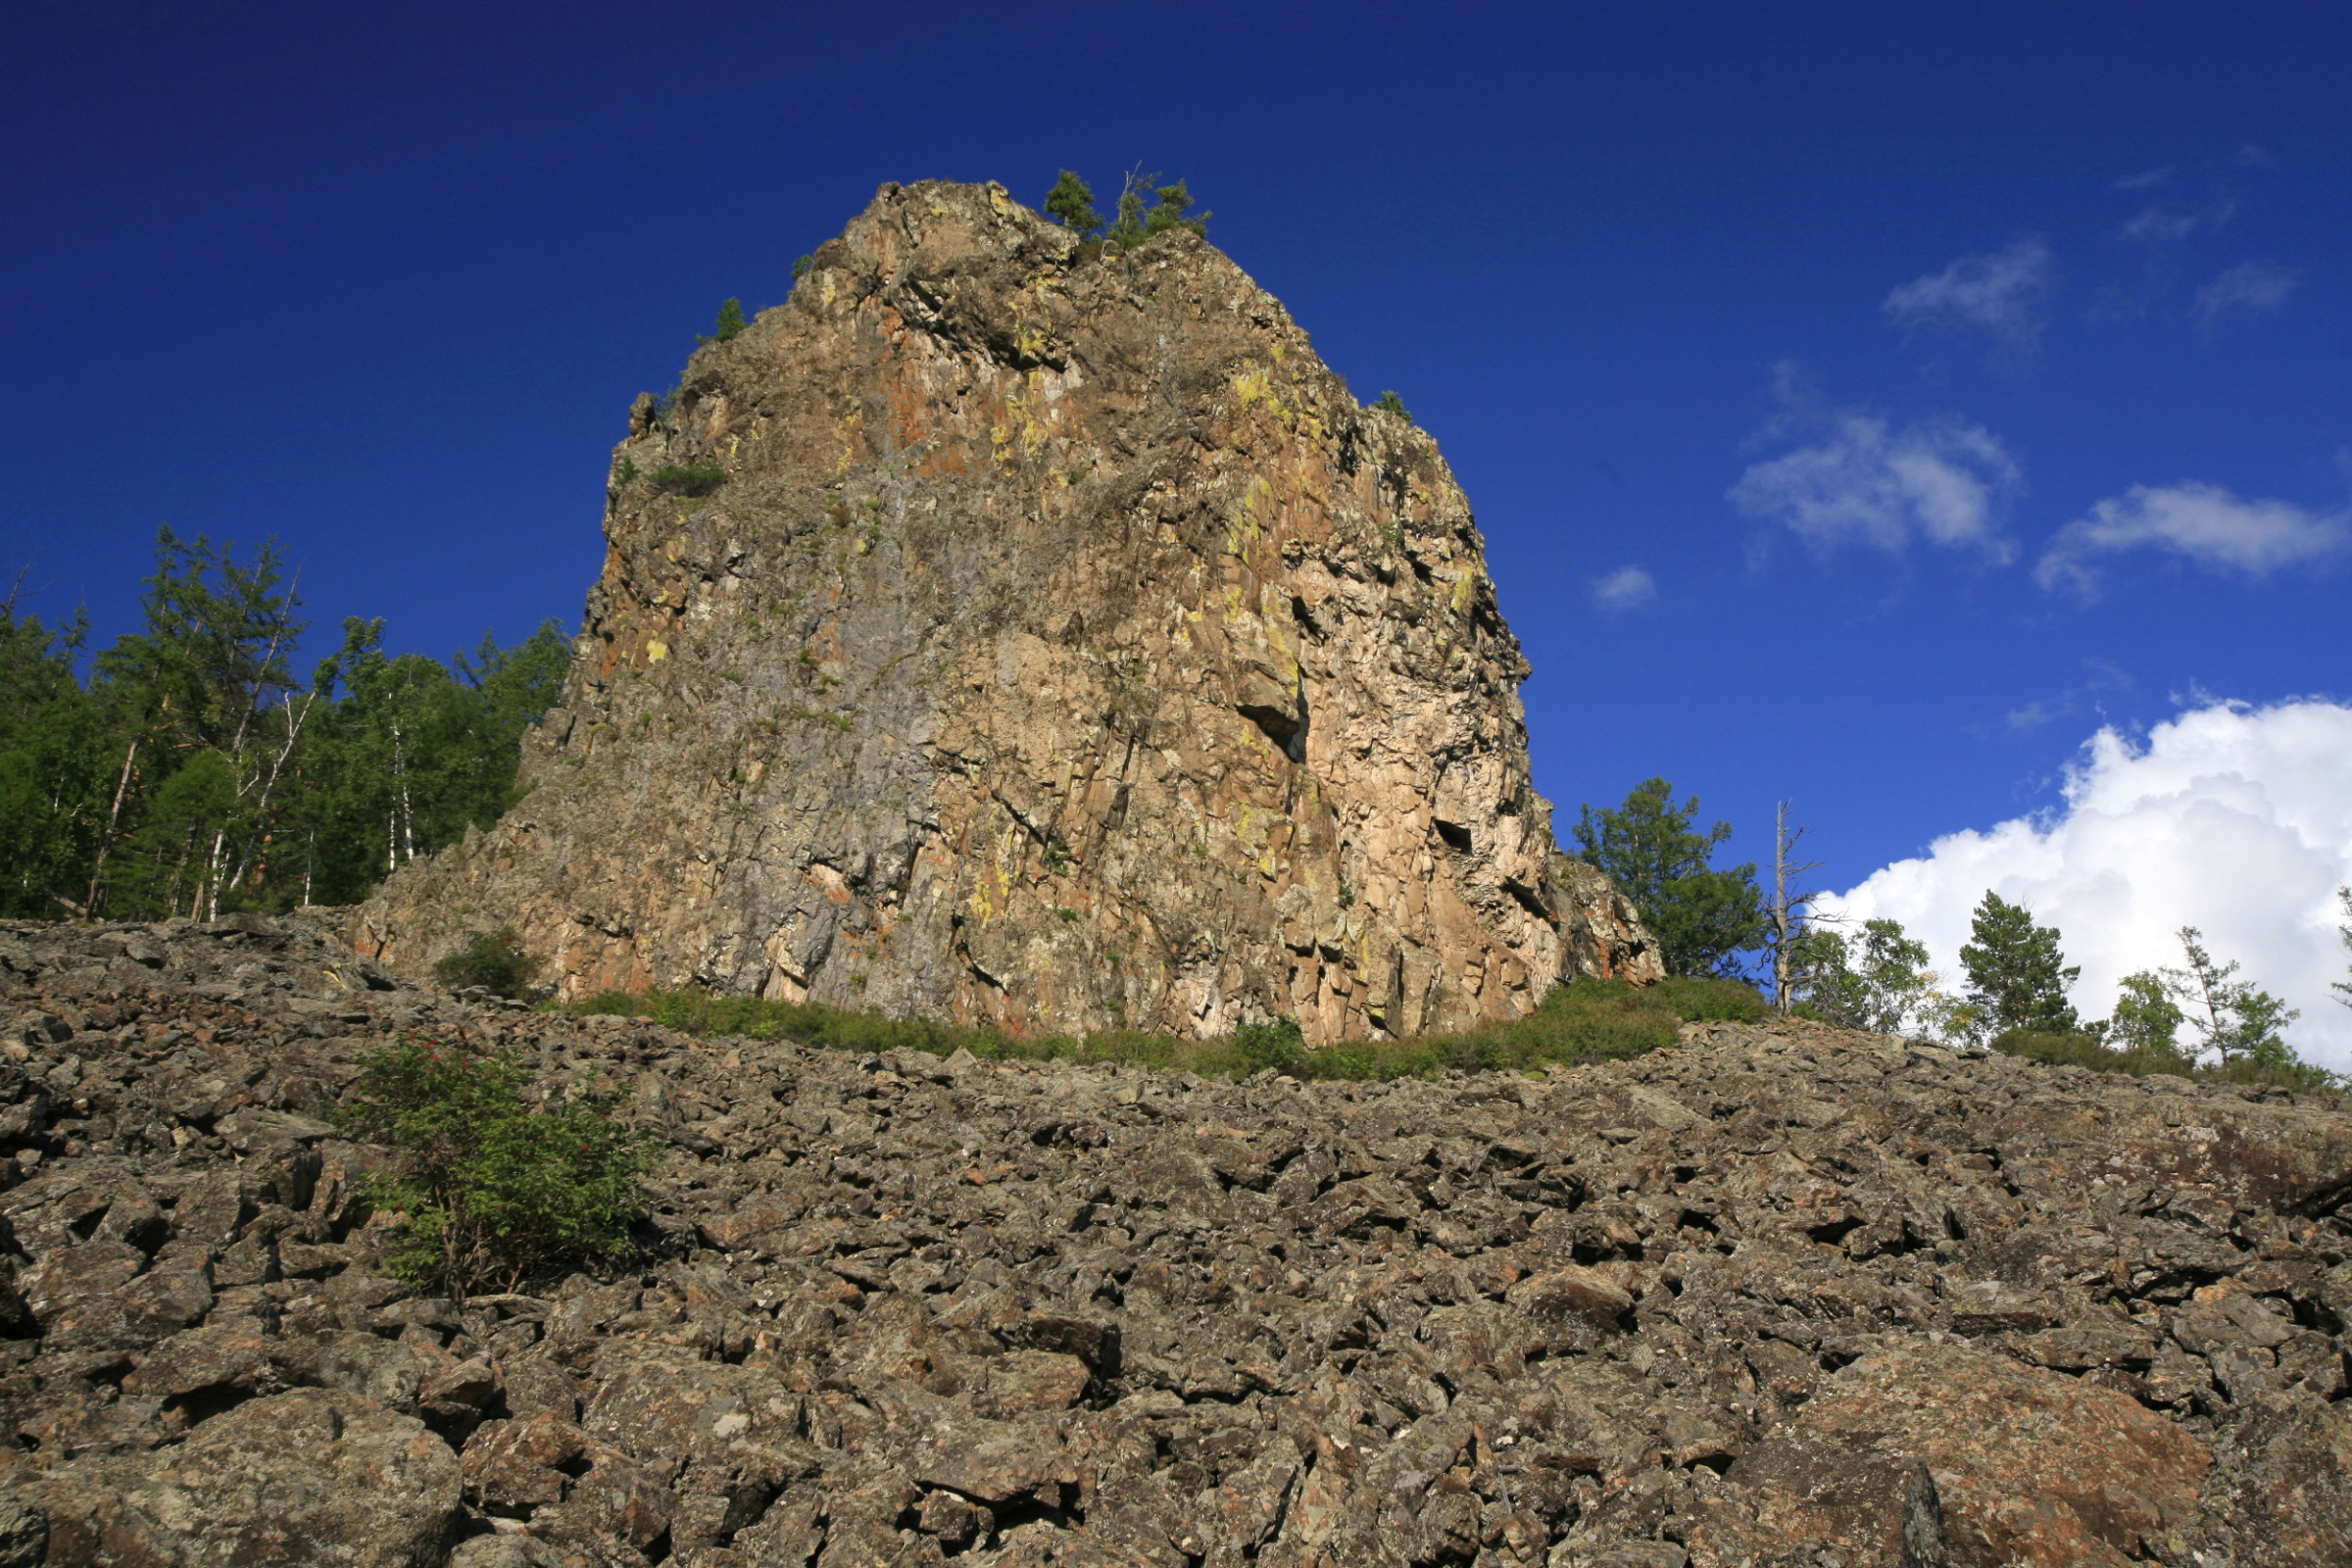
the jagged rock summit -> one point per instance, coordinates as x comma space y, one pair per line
1017, 631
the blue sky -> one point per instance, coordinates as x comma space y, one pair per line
1862, 405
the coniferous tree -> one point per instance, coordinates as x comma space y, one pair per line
1072, 202
2017, 978
1703, 918
730, 324
2240, 1023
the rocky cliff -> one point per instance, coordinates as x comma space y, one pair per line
1775, 1297
1020, 633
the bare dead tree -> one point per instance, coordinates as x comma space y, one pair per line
1790, 910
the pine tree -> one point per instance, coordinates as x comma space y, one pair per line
2017, 978
730, 324
1701, 917
1072, 203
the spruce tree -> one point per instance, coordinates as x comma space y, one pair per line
1701, 917
2017, 978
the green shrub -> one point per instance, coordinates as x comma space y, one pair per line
2079, 1050
1278, 1044
1072, 202
1391, 403
689, 478
493, 1188
492, 959
802, 268
730, 324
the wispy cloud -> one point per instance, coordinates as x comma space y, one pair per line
1868, 482
2102, 675
2001, 293
2157, 224
2201, 523
2248, 288
2145, 178
1626, 588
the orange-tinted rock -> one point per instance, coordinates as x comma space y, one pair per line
1052, 642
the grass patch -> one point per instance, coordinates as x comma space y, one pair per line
689, 478
1591, 1021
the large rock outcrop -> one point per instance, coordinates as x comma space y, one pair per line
1009, 631
1775, 1298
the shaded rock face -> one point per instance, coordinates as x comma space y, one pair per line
1777, 1296
1058, 645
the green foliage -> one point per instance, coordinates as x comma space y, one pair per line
1168, 208
1278, 1044
802, 268
1877, 984
730, 324
2017, 978
54, 750
193, 772
2147, 1019
1590, 1020
689, 478
1071, 203
2078, 1048
492, 959
495, 1187
2240, 1023
2343, 987
1391, 403
1703, 918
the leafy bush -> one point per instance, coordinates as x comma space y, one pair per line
1590, 1020
1278, 1044
492, 959
493, 1187
689, 478
2079, 1050
1391, 403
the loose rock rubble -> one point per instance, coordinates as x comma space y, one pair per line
1778, 1296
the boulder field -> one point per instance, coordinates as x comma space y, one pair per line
1774, 1296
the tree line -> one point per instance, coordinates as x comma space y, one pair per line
188, 769
2013, 990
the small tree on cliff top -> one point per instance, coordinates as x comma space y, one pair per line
1701, 917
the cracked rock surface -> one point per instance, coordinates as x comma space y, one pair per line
1009, 633
1777, 1296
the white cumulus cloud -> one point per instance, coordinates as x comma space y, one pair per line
2248, 288
2202, 523
2000, 294
1626, 588
1873, 483
2233, 819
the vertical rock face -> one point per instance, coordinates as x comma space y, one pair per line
1003, 631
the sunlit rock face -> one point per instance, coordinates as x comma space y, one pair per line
1008, 630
